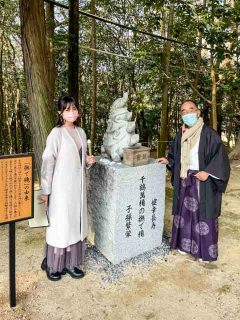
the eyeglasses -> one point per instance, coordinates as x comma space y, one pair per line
183, 112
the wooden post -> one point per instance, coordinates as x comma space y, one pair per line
12, 265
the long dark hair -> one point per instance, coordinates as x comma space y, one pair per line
63, 103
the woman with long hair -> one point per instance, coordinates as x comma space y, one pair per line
63, 182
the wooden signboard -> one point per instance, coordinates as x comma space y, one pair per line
16, 202
16, 188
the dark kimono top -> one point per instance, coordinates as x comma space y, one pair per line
213, 159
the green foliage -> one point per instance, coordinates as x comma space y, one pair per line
14, 116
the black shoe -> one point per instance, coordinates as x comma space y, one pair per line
53, 276
74, 273
44, 264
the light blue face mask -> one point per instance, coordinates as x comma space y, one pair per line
190, 119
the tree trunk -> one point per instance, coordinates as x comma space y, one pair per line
1, 96
50, 28
235, 154
229, 132
198, 62
94, 76
164, 132
37, 74
219, 112
73, 51
7, 120
142, 128
16, 128
214, 95
17, 136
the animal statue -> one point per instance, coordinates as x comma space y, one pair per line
120, 131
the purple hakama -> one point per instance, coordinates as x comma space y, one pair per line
60, 258
189, 233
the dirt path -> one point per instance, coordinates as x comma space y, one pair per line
176, 289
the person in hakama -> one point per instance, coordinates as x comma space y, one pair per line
200, 171
64, 192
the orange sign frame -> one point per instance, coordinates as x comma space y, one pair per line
16, 187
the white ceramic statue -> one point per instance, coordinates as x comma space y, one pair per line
120, 130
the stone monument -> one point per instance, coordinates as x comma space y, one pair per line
126, 208
126, 204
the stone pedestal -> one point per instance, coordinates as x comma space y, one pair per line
126, 208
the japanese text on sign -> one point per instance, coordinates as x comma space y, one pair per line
16, 185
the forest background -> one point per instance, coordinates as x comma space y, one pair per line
161, 52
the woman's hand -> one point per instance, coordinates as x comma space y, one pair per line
202, 175
90, 160
162, 160
43, 198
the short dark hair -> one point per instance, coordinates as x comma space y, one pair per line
63, 103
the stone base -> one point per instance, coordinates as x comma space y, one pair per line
126, 208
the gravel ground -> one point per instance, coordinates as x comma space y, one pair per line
97, 263
157, 285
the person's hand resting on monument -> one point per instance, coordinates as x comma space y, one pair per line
162, 160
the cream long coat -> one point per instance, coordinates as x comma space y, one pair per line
63, 178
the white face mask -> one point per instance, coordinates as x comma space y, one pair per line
190, 119
70, 116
